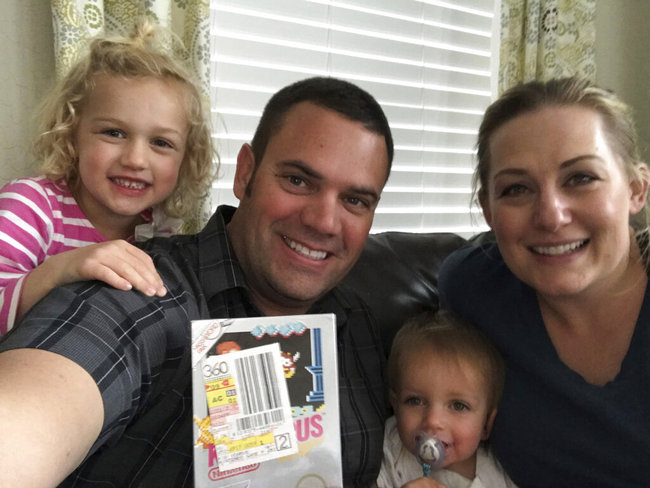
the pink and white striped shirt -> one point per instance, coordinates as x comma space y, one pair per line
38, 219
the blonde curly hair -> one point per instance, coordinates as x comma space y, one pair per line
145, 53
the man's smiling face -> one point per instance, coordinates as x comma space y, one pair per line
306, 210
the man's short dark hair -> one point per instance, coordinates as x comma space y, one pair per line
334, 94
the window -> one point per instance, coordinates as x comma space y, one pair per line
428, 63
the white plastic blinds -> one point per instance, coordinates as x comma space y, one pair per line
428, 63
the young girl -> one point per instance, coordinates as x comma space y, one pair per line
444, 381
126, 151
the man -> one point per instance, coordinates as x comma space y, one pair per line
93, 371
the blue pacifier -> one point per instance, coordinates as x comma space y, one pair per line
429, 452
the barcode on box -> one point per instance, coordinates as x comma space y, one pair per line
260, 420
260, 389
248, 403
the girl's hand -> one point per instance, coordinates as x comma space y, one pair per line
116, 263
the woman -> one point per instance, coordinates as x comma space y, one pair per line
563, 292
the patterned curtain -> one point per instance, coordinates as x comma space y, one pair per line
76, 21
543, 39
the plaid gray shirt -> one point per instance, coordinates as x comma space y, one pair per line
137, 349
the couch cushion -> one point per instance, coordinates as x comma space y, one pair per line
397, 275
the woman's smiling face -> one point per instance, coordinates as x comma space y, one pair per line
559, 199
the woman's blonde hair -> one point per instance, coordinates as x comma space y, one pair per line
146, 53
529, 97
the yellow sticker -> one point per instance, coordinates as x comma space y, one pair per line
251, 442
221, 392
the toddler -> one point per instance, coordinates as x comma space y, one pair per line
444, 381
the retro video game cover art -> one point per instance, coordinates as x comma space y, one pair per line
265, 394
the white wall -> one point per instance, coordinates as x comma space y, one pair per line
27, 67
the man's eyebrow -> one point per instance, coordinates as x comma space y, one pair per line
299, 165
363, 190
308, 171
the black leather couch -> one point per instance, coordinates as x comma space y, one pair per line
397, 275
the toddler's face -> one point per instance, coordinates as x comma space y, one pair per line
447, 399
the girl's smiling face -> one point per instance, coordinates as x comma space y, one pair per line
130, 142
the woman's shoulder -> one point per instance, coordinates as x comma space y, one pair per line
476, 261
475, 275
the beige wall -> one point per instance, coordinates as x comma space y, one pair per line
623, 58
27, 61
27, 67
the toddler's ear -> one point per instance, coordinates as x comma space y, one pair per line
489, 422
392, 398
